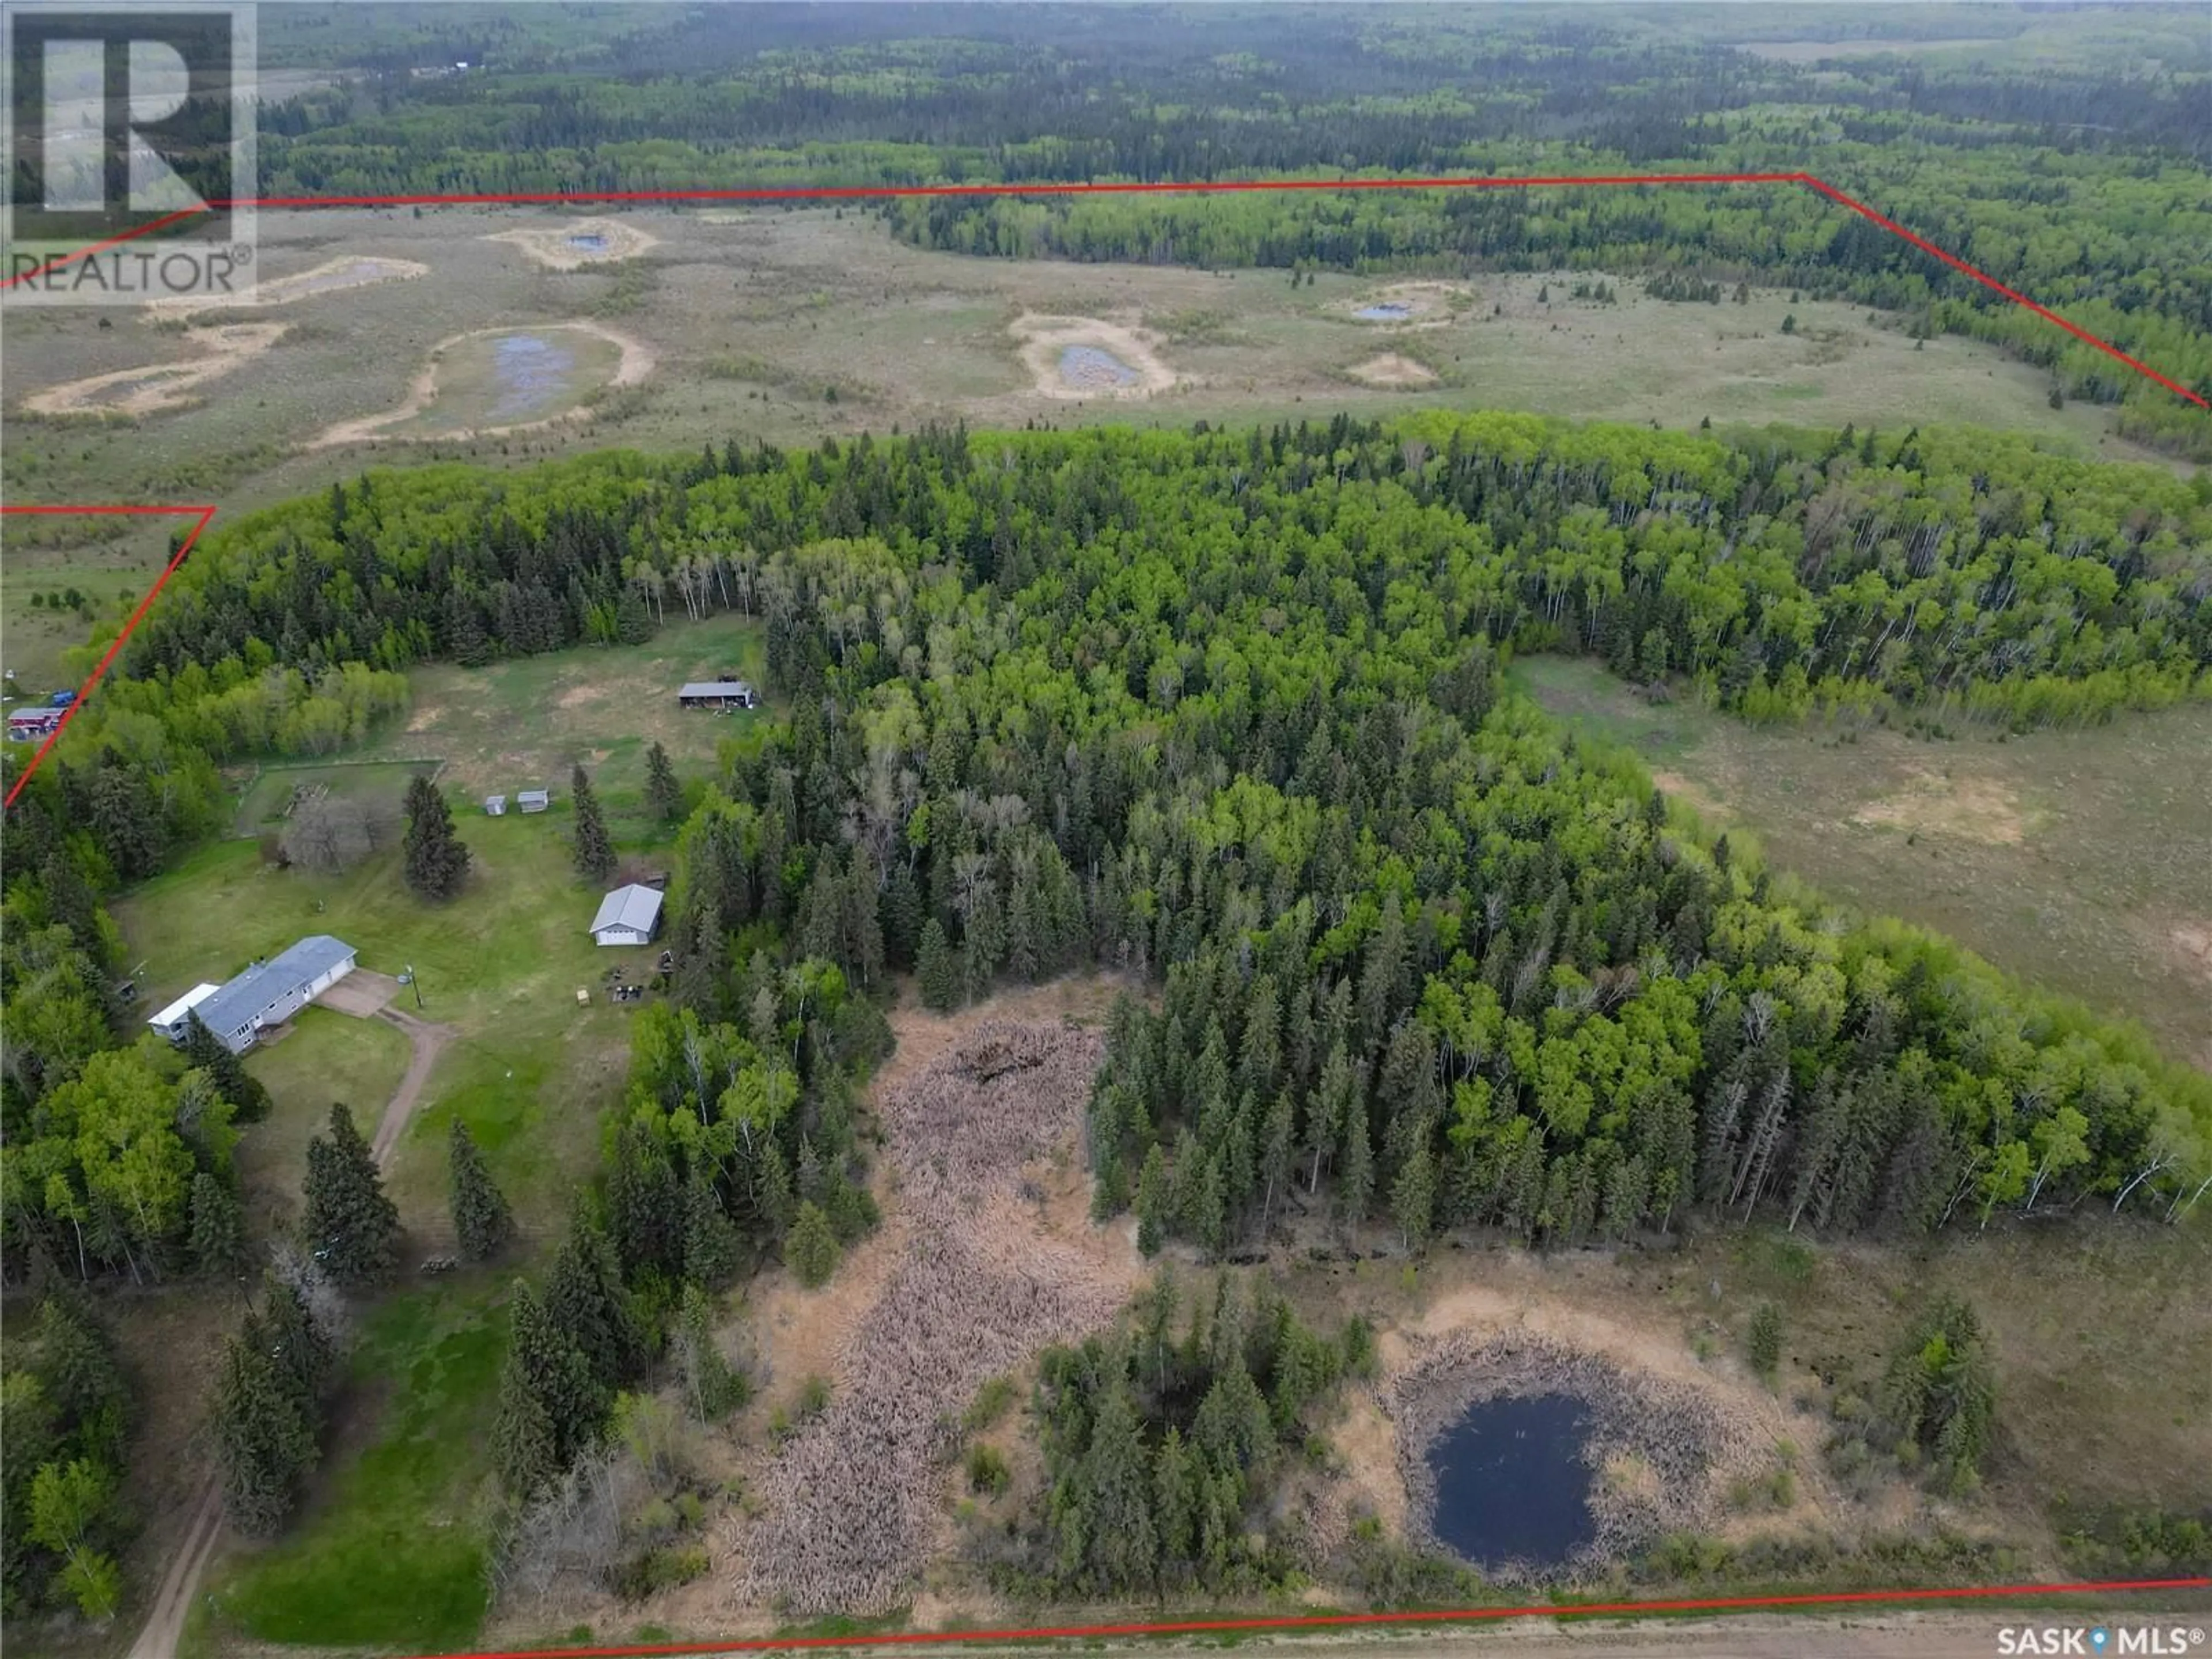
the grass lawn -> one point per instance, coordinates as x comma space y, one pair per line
392, 1550
526, 723
322, 1057
2073, 859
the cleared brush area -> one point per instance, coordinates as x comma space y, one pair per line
991, 1269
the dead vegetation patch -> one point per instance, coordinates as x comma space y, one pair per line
133, 393
1390, 369
578, 243
348, 271
1979, 810
987, 1270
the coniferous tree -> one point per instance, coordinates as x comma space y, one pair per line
263, 1435
712, 1246
1766, 1341
810, 1247
351, 1226
249, 1100
585, 1299
713, 1387
937, 967
482, 1224
218, 1233
433, 859
550, 1405
663, 793
594, 848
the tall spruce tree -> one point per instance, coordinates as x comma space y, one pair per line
712, 1245
810, 1247
585, 1299
351, 1226
663, 793
263, 1435
482, 1224
550, 1406
249, 1100
713, 1387
434, 861
218, 1229
938, 968
594, 848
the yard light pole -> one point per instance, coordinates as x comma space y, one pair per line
416, 983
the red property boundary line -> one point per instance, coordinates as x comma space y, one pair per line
1322, 1621
863, 192
200, 517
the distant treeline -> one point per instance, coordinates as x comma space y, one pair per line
2079, 180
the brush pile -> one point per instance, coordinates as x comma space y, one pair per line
848, 1514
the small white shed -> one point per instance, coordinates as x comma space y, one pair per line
627, 916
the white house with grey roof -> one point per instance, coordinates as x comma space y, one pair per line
627, 916
267, 993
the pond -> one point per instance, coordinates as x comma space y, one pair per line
1389, 311
1088, 366
1510, 1482
588, 242
532, 372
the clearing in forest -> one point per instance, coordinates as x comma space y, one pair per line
1081, 357
987, 1255
579, 242
494, 382
136, 392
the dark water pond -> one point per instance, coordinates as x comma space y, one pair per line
533, 372
1510, 1482
1389, 312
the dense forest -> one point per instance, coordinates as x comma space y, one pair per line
1224, 708
2078, 181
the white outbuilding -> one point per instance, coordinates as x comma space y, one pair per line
627, 916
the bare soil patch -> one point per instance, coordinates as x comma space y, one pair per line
637, 362
1966, 808
1423, 304
976, 1269
1390, 369
348, 270
139, 391
1045, 339
579, 242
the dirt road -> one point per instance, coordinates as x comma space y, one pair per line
429, 1040
165, 1621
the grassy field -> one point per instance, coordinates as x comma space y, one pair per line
262, 805
390, 1551
791, 326
2075, 859
525, 724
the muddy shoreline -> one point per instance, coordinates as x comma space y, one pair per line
1652, 1446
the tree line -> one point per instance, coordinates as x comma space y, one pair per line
2077, 183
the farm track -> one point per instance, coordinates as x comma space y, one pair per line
165, 1622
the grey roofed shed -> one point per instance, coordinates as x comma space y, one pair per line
627, 915
534, 801
718, 694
